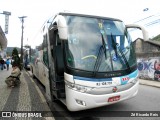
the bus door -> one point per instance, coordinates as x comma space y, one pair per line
56, 70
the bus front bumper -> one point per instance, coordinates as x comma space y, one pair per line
77, 101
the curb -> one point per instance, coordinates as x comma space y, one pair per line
149, 83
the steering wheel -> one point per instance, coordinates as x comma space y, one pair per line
87, 61
89, 56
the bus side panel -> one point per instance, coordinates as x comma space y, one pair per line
33, 67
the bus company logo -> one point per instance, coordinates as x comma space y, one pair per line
109, 75
125, 78
115, 89
6, 114
112, 74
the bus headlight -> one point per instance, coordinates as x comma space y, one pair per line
79, 88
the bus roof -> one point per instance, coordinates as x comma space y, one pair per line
87, 15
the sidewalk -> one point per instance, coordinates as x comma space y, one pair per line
149, 83
26, 97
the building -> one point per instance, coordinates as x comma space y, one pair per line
3, 43
148, 59
146, 49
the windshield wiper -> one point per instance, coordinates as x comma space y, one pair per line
104, 46
98, 61
116, 52
99, 58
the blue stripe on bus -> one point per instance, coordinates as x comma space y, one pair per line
132, 75
92, 79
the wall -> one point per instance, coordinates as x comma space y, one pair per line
149, 68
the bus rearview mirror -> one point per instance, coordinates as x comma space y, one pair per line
144, 32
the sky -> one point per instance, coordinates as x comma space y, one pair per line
38, 11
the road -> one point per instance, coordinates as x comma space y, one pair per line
146, 102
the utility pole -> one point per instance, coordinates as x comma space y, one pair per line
22, 20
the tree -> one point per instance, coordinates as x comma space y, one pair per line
15, 58
157, 38
15, 52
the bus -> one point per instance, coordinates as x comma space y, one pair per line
86, 61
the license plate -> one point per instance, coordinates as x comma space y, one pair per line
114, 98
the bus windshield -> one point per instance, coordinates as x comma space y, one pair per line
98, 44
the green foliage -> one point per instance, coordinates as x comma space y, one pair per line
10, 50
157, 38
15, 52
15, 57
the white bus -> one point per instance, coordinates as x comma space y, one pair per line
86, 61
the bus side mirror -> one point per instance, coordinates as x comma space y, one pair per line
62, 28
144, 32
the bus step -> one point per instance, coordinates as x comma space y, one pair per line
61, 95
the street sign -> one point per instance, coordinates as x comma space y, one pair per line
6, 23
6, 13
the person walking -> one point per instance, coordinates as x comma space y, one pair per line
7, 63
2, 63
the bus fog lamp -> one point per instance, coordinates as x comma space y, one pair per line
81, 102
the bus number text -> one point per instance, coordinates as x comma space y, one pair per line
103, 83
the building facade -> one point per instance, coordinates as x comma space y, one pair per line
148, 59
146, 49
3, 43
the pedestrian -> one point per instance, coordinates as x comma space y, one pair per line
12, 81
2, 63
7, 63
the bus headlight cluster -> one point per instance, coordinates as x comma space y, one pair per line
79, 88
